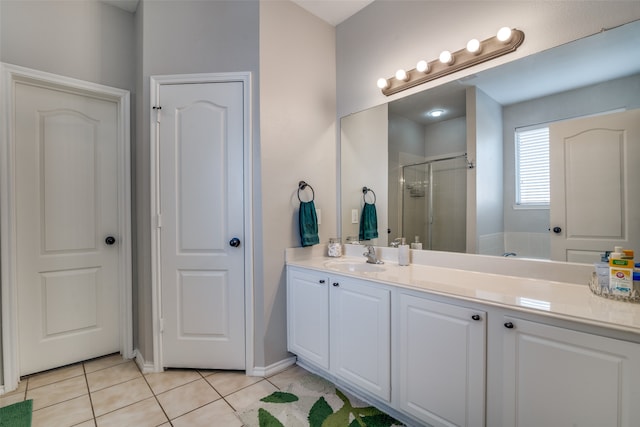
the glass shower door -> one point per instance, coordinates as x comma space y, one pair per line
434, 204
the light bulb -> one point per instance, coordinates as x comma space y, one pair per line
383, 83
436, 113
446, 57
402, 75
422, 66
473, 46
504, 34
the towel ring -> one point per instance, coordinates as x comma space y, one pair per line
303, 185
365, 190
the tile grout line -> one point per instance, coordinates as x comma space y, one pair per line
86, 381
199, 407
156, 397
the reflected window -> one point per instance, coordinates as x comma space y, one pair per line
532, 167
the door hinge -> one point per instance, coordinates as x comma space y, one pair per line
161, 325
158, 109
159, 221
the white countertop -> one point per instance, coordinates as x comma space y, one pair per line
570, 301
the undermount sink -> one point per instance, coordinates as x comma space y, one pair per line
354, 266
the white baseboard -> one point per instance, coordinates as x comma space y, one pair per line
274, 368
145, 367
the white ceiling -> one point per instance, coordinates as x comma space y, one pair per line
128, 5
331, 11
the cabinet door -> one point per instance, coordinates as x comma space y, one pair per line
560, 377
360, 335
308, 316
442, 362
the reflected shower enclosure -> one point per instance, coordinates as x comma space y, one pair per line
434, 203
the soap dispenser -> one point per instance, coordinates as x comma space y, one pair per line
403, 252
416, 244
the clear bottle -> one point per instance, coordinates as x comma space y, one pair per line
334, 249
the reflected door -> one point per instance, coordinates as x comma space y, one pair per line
595, 197
66, 206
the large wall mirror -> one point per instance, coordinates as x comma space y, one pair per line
449, 179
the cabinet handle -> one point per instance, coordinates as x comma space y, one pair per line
321, 280
475, 317
336, 284
508, 325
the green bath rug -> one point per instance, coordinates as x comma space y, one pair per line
314, 402
17, 415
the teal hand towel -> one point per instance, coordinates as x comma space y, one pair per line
308, 224
368, 222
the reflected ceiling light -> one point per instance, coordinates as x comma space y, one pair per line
446, 57
435, 113
382, 83
473, 46
402, 75
476, 52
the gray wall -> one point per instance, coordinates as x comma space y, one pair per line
297, 142
406, 140
446, 137
86, 40
179, 37
484, 133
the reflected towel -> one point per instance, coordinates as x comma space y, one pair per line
368, 222
308, 224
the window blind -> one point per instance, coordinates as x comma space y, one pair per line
532, 166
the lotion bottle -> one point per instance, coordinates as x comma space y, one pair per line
403, 252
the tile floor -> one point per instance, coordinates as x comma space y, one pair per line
111, 391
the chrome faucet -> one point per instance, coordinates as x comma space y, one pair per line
396, 242
371, 255
509, 254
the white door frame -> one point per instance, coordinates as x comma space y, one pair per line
156, 294
10, 75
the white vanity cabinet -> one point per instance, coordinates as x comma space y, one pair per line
360, 334
441, 362
308, 315
555, 376
342, 325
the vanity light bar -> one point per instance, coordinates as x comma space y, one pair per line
506, 41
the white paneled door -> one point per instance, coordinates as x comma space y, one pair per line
66, 195
201, 220
595, 203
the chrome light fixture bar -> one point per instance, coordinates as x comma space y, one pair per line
506, 41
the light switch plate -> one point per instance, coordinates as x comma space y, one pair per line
354, 216
319, 215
